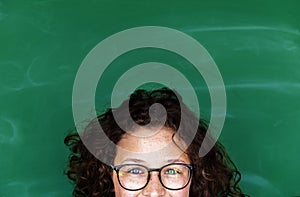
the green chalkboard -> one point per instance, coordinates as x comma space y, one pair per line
256, 45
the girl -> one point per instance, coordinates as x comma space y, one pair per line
147, 161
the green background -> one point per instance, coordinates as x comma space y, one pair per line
256, 45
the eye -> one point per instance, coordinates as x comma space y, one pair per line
135, 171
172, 171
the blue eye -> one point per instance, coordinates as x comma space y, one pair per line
135, 171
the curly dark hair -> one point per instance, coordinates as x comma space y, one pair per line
213, 175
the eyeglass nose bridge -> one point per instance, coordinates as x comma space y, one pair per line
155, 170
159, 176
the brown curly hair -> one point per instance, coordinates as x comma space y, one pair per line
213, 175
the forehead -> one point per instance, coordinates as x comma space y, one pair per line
142, 140
154, 149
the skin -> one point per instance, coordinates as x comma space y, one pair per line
153, 151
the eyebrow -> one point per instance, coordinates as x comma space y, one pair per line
134, 160
175, 161
139, 161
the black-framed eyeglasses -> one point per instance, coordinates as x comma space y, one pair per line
173, 176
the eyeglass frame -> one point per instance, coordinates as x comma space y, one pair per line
149, 170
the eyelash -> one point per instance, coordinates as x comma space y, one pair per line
131, 171
175, 170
